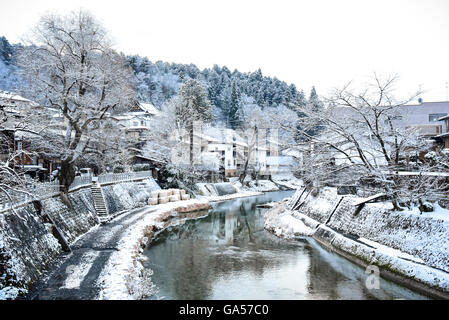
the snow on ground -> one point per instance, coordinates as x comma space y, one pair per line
124, 271
9, 293
390, 251
281, 222
262, 186
438, 213
79, 272
292, 183
256, 186
385, 256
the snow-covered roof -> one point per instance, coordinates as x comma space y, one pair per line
147, 107
443, 118
12, 96
224, 135
292, 152
124, 117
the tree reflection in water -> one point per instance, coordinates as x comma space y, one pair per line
229, 255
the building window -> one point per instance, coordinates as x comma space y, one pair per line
435, 116
268, 153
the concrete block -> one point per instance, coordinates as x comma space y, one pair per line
185, 197
154, 194
163, 200
163, 193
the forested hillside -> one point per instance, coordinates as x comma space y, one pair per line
8, 70
157, 82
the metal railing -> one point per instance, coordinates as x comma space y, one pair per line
80, 182
36, 191
123, 177
45, 190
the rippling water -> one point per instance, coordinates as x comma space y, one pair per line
228, 255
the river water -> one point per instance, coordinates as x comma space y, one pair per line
228, 255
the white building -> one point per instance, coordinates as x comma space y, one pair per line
138, 120
423, 116
227, 151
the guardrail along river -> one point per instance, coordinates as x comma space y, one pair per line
229, 255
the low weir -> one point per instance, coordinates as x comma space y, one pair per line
216, 189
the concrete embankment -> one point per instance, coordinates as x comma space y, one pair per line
409, 248
27, 236
124, 277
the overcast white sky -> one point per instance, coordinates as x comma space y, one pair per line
321, 42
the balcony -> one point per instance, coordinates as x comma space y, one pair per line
428, 130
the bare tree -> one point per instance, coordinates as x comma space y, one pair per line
256, 123
360, 138
69, 65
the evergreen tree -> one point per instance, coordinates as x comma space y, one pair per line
234, 108
315, 100
6, 50
192, 104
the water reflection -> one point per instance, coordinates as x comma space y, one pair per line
228, 255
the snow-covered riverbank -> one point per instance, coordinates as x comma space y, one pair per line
254, 188
410, 248
225, 197
123, 277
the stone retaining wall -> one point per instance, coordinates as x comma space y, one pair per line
27, 245
419, 235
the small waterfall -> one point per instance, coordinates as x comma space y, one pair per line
216, 189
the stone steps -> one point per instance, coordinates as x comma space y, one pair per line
99, 204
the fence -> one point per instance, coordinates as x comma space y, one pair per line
37, 191
40, 191
80, 182
123, 177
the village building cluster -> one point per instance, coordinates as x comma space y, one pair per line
221, 151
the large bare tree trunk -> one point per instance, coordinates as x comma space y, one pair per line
66, 175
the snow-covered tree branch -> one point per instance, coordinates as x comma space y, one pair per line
69, 65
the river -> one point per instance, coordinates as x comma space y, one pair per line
228, 255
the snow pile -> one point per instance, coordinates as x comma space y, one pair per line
263, 186
124, 277
281, 222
